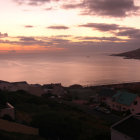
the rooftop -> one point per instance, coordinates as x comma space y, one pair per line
21, 82
107, 92
130, 127
123, 97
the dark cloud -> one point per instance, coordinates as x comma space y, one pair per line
28, 39
110, 39
61, 36
101, 26
59, 40
32, 2
12, 51
3, 35
111, 8
79, 46
22, 41
58, 27
115, 29
49, 9
130, 32
83, 44
28, 26
40, 41
72, 6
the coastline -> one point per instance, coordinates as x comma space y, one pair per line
134, 54
23, 85
125, 56
97, 85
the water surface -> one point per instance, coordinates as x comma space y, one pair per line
95, 69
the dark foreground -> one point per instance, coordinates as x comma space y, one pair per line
62, 118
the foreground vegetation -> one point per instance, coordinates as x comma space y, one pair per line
56, 120
15, 136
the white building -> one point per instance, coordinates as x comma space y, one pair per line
8, 110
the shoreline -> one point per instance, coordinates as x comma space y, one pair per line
98, 85
126, 57
39, 90
134, 54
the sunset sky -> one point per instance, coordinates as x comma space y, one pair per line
60, 25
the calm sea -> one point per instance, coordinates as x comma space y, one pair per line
95, 69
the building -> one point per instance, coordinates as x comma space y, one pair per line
7, 111
127, 129
4, 85
124, 101
54, 89
105, 95
121, 101
34, 89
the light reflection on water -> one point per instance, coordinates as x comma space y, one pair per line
93, 69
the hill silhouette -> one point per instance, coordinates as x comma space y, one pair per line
134, 54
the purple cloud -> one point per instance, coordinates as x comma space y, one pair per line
72, 6
110, 39
110, 8
83, 44
41, 41
117, 30
101, 26
29, 39
33, 2
130, 32
28, 26
58, 27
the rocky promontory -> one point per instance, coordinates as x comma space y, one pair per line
135, 54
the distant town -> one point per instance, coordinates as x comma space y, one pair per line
37, 110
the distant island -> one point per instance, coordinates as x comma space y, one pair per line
135, 54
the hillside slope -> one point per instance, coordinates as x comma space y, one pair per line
135, 54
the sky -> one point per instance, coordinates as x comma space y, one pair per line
69, 25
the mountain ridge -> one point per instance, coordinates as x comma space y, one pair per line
134, 54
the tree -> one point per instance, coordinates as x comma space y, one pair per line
54, 126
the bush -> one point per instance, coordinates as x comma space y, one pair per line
55, 125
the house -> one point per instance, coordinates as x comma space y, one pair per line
7, 111
4, 85
23, 85
124, 101
105, 95
54, 89
121, 101
127, 129
34, 89
14, 86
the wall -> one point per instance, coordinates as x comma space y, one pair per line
120, 107
136, 108
18, 128
8, 111
115, 135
